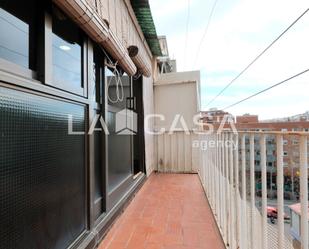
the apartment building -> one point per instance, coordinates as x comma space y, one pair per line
291, 156
215, 116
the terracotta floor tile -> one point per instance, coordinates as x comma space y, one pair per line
153, 246
116, 245
169, 212
123, 234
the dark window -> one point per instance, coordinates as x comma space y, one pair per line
67, 52
119, 94
42, 172
17, 25
98, 73
99, 137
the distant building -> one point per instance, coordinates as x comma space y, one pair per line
291, 160
215, 116
165, 63
298, 117
247, 118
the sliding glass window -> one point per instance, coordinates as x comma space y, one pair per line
16, 29
67, 53
120, 139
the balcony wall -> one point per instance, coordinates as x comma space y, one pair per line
175, 121
149, 138
176, 152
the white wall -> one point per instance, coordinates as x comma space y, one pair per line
149, 139
177, 93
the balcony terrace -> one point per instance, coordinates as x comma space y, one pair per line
170, 211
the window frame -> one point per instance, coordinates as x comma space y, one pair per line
16, 69
48, 62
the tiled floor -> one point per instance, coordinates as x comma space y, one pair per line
169, 212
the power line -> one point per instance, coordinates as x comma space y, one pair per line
206, 30
257, 57
187, 32
267, 89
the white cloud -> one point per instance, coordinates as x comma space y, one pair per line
166, 9
236, 35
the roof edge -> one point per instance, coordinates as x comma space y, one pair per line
144, 17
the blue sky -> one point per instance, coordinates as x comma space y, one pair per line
239, 30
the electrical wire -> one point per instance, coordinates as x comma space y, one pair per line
118, 81
258, 57
205, 31
118, 85
267, 89
187, 33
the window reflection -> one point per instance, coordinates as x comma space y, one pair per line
67, 51
120, 150
14, 39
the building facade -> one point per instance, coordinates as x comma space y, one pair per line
70, 72
291, 156
77, 82
215, 116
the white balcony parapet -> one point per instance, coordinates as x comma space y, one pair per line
230, 179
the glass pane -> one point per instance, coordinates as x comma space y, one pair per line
14, 45
42, 172
67, 51
120, 147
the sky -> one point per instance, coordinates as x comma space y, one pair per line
238, 31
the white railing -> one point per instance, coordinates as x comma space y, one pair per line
229, 178
176, 152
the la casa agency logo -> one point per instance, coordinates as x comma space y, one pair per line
123, 122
